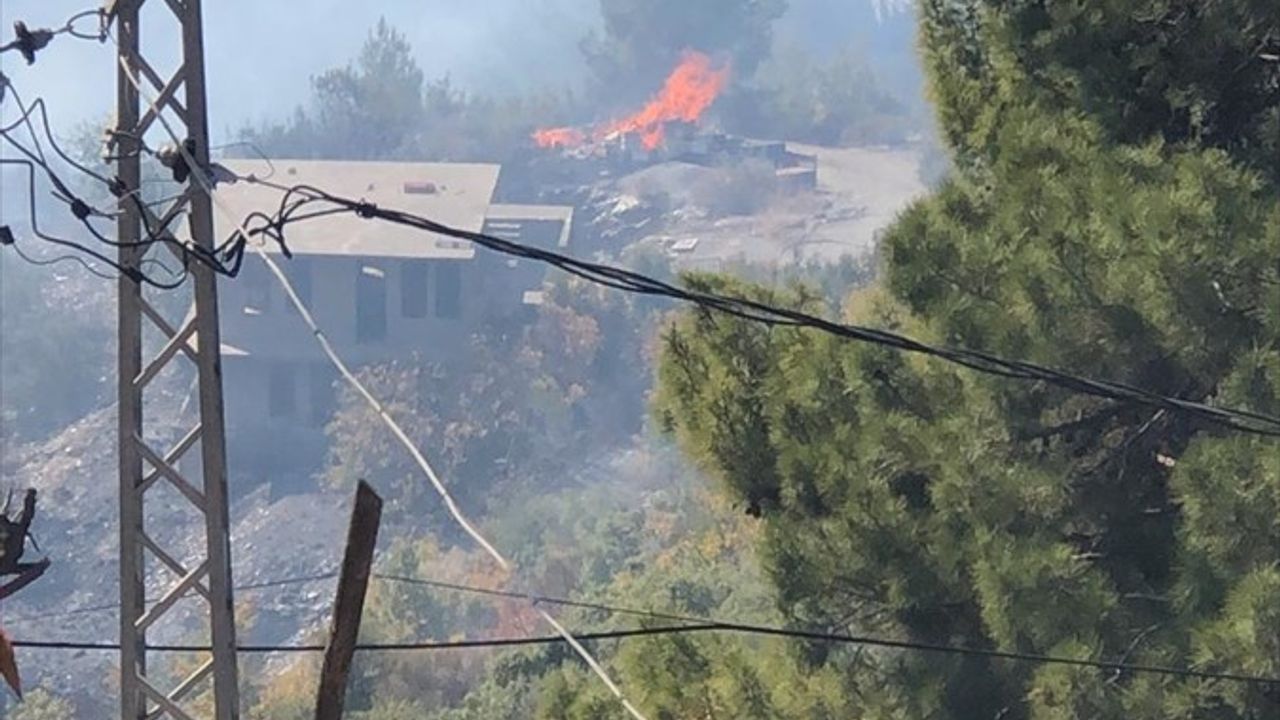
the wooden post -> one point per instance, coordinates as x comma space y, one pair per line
357, 565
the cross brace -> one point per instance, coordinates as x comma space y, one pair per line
144, 561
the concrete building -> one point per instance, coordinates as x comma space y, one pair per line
379, 291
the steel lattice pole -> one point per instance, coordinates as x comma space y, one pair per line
144, 562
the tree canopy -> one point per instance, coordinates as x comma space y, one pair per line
380, 107
1120, 222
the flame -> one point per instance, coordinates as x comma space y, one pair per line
688, 91
559, 137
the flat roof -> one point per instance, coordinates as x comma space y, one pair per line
502, 213
510, 211
454, 194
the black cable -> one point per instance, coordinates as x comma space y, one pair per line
250, 587
132, 273
713, 626
99, 36
383, 647
752, 629
156, 233
299, 196
40, 262
689, 623
225, 259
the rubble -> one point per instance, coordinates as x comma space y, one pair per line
75, 472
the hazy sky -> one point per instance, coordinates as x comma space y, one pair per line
262, 53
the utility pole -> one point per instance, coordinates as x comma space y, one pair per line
348, 606
143, 560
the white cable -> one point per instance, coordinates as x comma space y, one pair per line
197, 174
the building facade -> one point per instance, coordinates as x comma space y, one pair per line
379, 291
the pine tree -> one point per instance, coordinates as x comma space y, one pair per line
1113, 213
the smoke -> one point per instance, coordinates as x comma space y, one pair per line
885, 29
260, 56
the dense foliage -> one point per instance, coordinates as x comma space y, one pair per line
503, 412
381, 107
922, 501
1185, 71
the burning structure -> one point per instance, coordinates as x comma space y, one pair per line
687, 93
669, 128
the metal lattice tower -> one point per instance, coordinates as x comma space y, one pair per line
144, 470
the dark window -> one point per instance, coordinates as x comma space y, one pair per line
413, 288
299, 270
448, 289
371, 306
322, 402
280, 391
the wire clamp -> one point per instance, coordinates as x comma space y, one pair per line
28, 42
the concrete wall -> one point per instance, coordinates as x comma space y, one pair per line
267, 441
280, 395
258, 318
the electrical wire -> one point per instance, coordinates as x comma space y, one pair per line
80, 248
83, 211
693, 625
688, 624
157, 230
241, 240
40, 262
225, 260
381, 647
303, 196
701, 621
250, 587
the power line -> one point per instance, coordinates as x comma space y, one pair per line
225, 259
384, 647
689, 624
83, 211
298, 197
768, 630
90, 609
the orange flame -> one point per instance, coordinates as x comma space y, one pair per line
559, 137
688, 91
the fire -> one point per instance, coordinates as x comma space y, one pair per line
688, 91
559, 137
